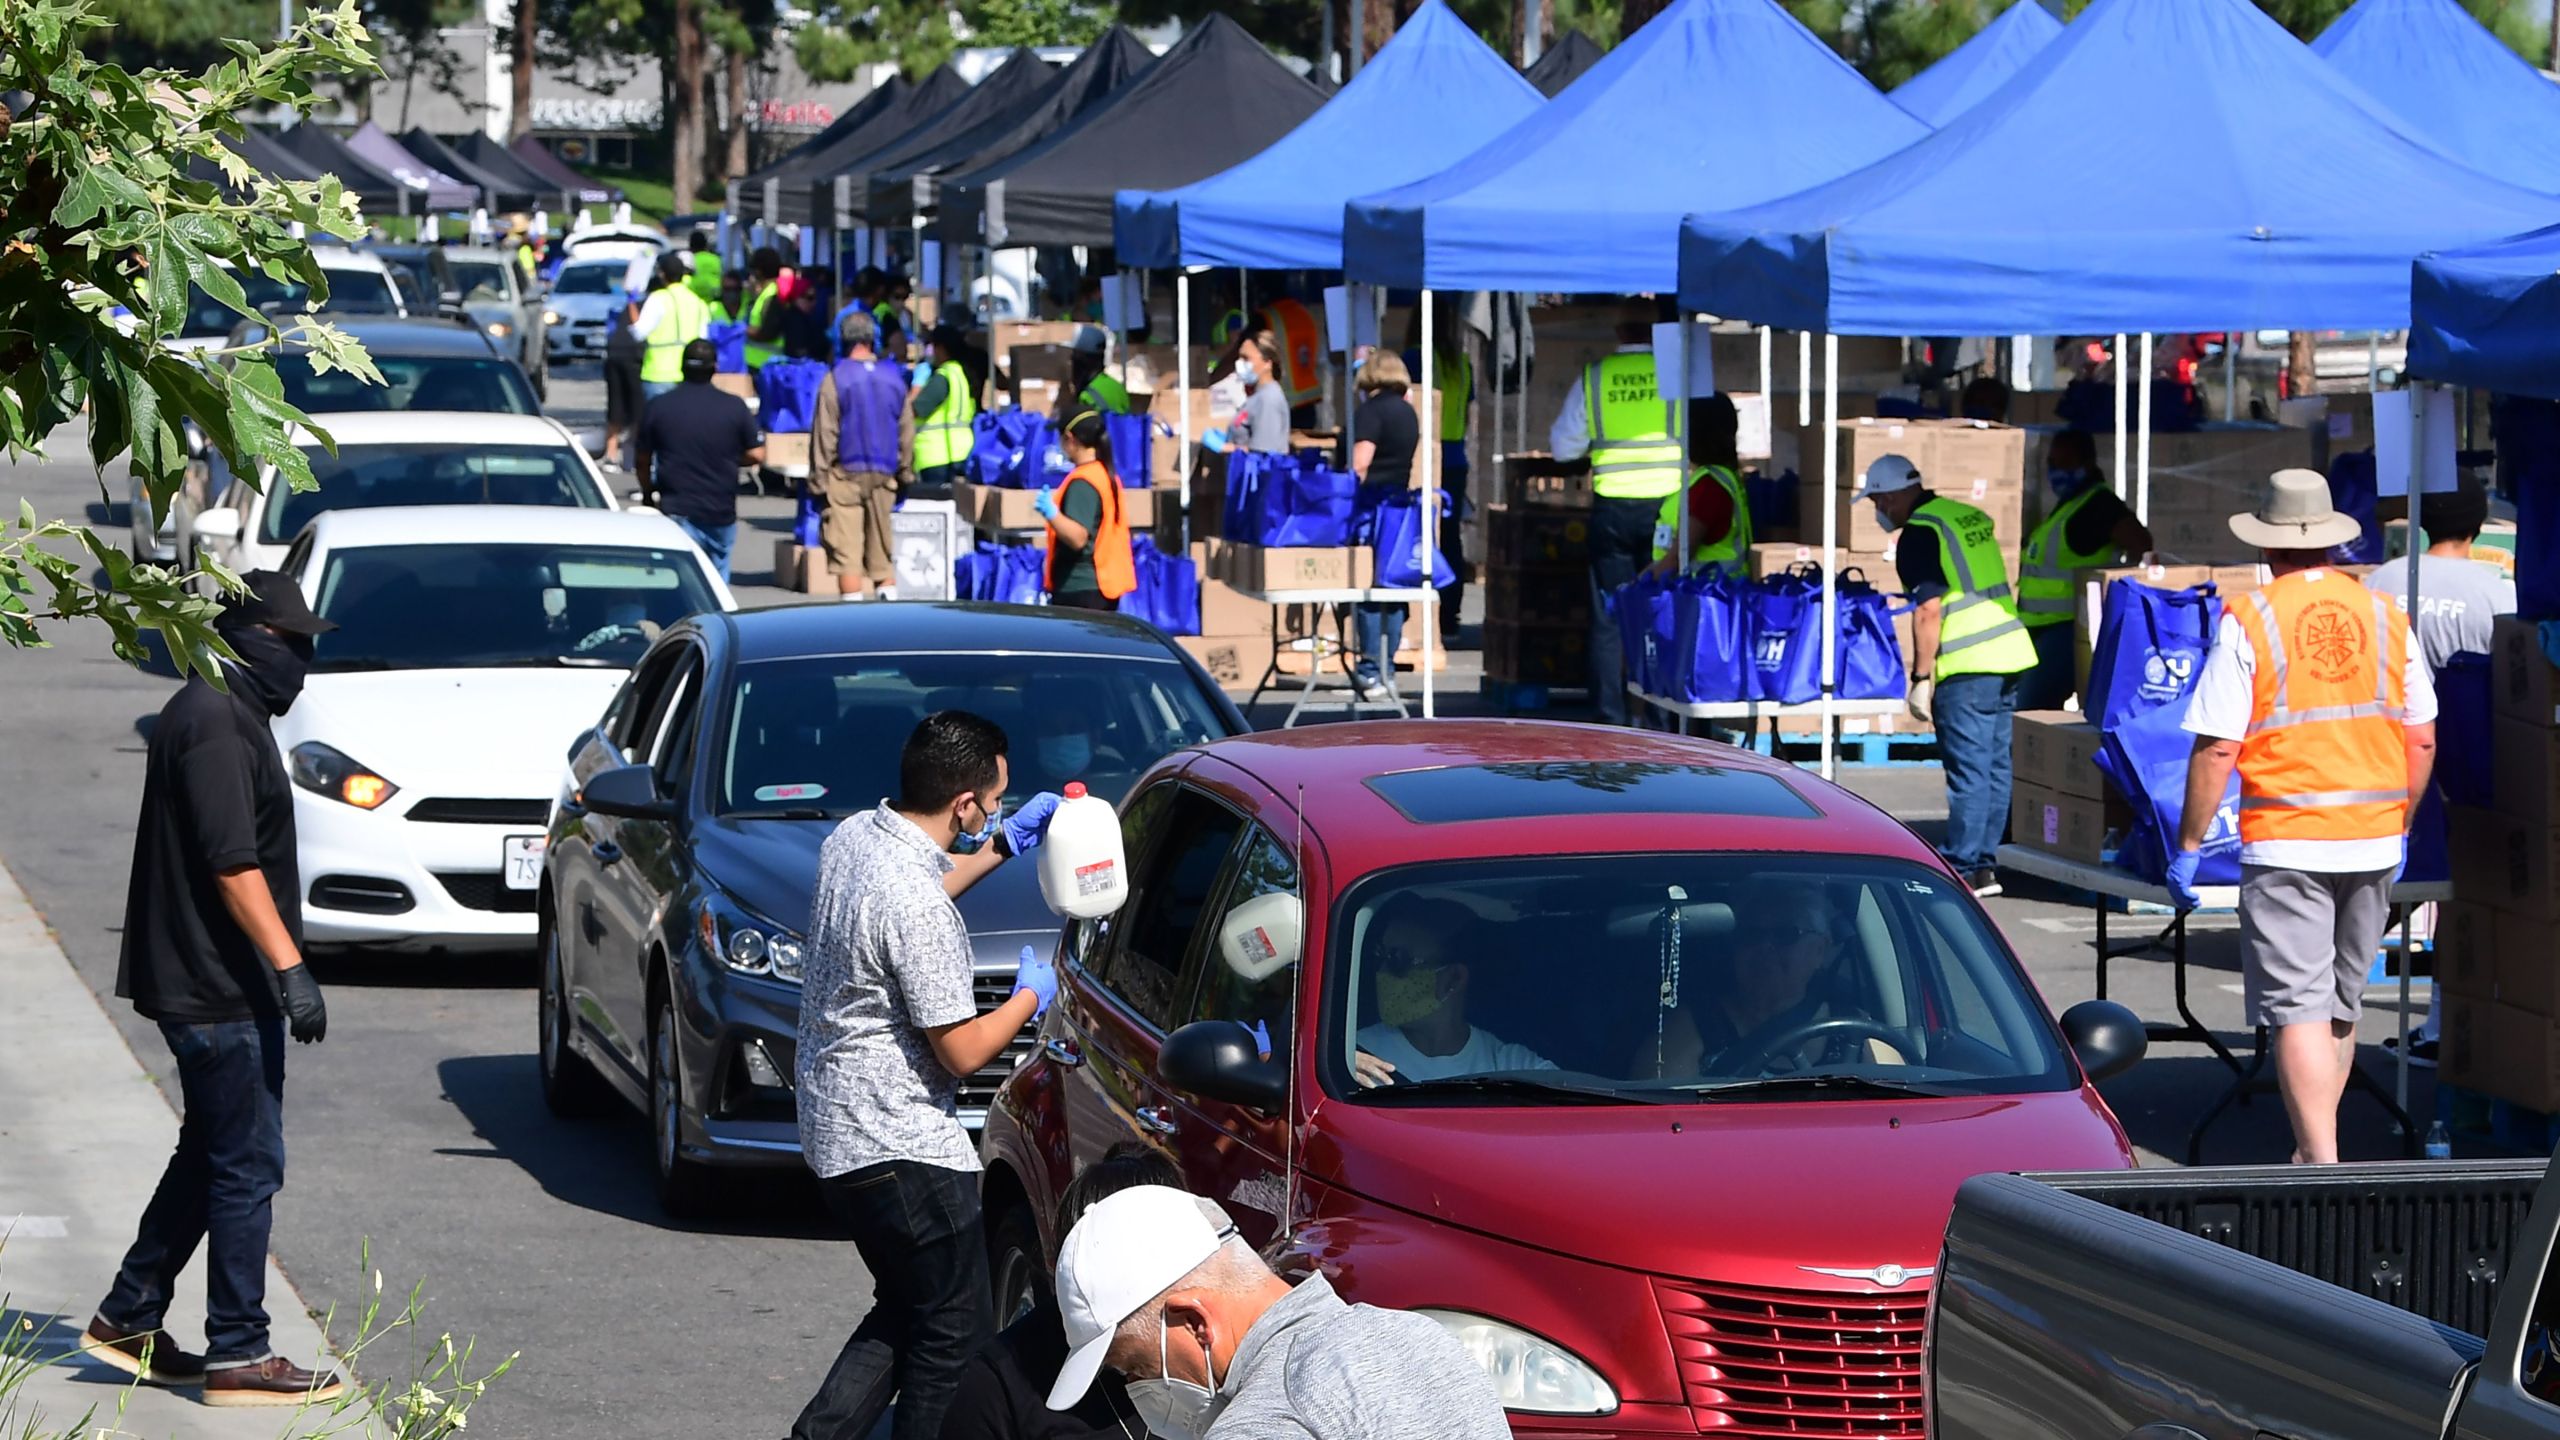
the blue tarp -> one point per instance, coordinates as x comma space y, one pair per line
1980, 65
1429, 98
2026, 217
2459, 87
2489, 316
1713, 104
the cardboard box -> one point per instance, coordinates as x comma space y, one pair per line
1236, 662
787, 451
1055, 364
2071, 826
742, 386
996, 508
2501, 1051
2506, 862
802, 568
2525, 758
1268, 568
2522, 681
1008, 334
2467, 949
1779, 558
2057, 750
2527, 965
1534, 536
1224, 612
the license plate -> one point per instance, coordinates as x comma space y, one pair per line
523, 861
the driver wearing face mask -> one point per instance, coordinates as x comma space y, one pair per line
1422, 1031
1158, 1285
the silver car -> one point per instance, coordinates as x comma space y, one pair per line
486, 285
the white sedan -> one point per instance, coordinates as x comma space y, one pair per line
474, 642
405, 458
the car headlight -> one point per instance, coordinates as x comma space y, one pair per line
500, 329
550, 317
751, 946
1530, 1372
323, 770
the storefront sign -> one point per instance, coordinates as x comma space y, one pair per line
594, 112
796, 114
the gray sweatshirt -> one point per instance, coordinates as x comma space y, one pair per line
1314, 1368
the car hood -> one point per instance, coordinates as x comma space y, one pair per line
770, 867
1746, 1194
581, 306
485, 733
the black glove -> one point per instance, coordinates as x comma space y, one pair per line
307, 1013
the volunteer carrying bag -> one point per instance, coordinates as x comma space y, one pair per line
2151, 645
787, 395
2144, 756
1401, 534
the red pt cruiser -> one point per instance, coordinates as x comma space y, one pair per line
1648, 1066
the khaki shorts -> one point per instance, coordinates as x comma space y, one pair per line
855, 528
2307, 941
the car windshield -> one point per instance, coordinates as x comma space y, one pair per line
1676, 978
421, 607
588, 279
480, 279
823, 733
484, 385
363, 477
351, 292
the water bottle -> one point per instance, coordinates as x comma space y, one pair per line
2439, 1144
1084, 874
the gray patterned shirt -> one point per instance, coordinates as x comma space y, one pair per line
888, 959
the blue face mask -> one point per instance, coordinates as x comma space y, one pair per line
1065, 756
970, 842
2067, 483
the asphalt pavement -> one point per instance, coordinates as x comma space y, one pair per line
417, 1125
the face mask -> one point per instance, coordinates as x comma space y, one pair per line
1888, 521
2067, 483
1175, 1409
1410, 998
970, 842
272, 667
1065, 756
1246, 371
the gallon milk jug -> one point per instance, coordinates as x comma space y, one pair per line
1083, 874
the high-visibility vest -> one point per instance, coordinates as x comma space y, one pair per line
1104, 393
662, 363
1226, 328
1725, 549
1301, 357
1453, 375
946, 436
706, 275
1115, 564
2047, 566
2325, 756
759, 352
1633, 456
1979, 632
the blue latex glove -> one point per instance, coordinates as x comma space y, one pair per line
1038, 976
2183, 865
1043, 506
1215, 439
1026, 827
1261, 1037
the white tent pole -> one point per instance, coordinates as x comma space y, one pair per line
2230, 375
1493, 452
1804, 377
2142, 462
1182, 368
2117, 355
1429, 529
1676, 395
1767, 343
1830, 538
2417, 489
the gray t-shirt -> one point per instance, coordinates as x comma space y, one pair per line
1314, 1368
888, 959
2458, 601
1263, 423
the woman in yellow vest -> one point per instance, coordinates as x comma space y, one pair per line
2089, 527
1719, 508
1090, 562
1968, 652
946, 411
670, 319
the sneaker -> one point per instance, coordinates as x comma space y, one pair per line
124, 1349
2422, 1050
272, 1381
1984, 882
1365, 684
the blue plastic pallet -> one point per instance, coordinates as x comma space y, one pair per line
2468, 1114
1849, 749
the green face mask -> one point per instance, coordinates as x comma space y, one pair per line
1409, 998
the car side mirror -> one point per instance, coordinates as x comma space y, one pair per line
629, 792
1220, 1060
221, 523
2108, 1038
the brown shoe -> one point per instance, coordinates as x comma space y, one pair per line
272, 1381
124, 1349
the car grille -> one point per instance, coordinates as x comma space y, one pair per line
361, 894
978, 1092
1797, 1362
446, 810
482, 891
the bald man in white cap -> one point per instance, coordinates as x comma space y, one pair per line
1157, 1284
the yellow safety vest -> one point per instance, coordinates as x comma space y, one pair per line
946, 436
662, 363
1727, 549
2047, 565
1455, 376
759, 352
1979, 632
1105, 393
1633, 456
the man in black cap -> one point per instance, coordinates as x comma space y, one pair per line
693, 440
213, 952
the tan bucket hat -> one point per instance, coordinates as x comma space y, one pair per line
2297, 515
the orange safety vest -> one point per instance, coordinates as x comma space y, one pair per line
1115, 566
1301, 351
2325, 757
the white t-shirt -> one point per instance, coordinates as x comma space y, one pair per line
2222, 706
1484, 1053
2459, 602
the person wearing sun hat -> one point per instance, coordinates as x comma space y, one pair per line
2315, 692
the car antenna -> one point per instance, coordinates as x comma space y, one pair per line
1289, 1068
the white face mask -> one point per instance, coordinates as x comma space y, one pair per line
1176, 1409
1246, 372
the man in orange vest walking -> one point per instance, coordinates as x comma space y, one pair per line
2316, 694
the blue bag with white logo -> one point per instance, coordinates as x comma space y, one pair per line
2144, 757
1785, 623
2151, 646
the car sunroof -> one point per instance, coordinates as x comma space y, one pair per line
1541, 789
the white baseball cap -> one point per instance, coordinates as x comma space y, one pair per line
1888, 474
1128, 1249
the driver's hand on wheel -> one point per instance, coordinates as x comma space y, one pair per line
1371, 1071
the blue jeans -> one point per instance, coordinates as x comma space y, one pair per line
716, 540
219, 1190
922, 1236
1973, 743
652, 389
1381, 631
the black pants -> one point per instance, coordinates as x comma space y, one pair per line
1621, 545
934, 482
1453, 480
623, 401
219, 1190
920, 1233
1083, 600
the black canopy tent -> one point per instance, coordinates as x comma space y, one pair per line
496, 191
1563, 63
804, 192
537, 157
262, 154
380, 193
1215, 99
1003, 91
907, 189
746, 194
500, 161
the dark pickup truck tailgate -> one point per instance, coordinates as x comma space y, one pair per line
2429, 1238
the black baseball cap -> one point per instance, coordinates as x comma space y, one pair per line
274, 600
699, 360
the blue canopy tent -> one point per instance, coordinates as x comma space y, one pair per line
2489, 316
1431, 96
2458, 86
1980, 65
1713, 104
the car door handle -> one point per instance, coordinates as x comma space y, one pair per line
1063, 1052
606, 852
1156, 1119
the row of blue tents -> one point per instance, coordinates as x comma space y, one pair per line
2156, 165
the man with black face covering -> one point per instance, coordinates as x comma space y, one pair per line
213, 952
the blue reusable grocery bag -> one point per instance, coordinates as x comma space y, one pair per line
988, 448
1247, 473
1132, 439
1401, 534
1785, 622
787, 395
973, 576
1633, 606
2151, 646
2144, 756
1315, 504
729, 338
1868, 653
1710, 647
1167, 594
1021, 575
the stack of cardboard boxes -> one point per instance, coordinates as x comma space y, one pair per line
1234, 643
1239, 635
2059, 801
1537, 588
2498, 942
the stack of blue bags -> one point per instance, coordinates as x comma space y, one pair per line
1710, 637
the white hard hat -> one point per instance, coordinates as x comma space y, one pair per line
1888, 474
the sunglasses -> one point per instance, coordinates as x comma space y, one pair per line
1402, 958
